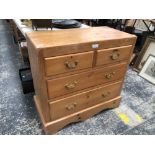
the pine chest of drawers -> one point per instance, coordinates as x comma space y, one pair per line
77, 72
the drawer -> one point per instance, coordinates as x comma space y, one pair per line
69, 84
111, 55
75, 103
68, 63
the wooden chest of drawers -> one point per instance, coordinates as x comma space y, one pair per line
77, 72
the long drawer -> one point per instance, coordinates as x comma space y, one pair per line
112, 55
68, 63
69, 84
69, 105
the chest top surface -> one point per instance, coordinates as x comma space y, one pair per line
46, 39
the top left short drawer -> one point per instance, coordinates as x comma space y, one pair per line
67, 63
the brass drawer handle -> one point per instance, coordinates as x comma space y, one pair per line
70, 107
72, 85
71, 65
115, 55
105, 95
109, 75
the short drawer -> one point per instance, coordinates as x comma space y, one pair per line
69, 84
111, 55
69, 105
68, 63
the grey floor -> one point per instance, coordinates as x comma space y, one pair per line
135, 115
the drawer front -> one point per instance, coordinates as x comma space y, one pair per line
111, 55
84, 100
68, 63
69, 84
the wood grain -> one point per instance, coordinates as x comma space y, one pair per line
42, 39
72, 104
113, 55
54, 43
68, 63
57, 87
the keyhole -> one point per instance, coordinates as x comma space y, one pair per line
88, 95
79, 117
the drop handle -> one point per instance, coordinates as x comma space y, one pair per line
109, 75
71, 64
71, 106
106, 94
115, 55
71, 85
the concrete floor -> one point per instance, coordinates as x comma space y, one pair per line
135, 115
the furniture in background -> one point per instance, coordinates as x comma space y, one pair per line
128, 25
114, 23
19, 39
78, 73
147, 50
24, 51
41, 23
17, 35
142, 29
148, 24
